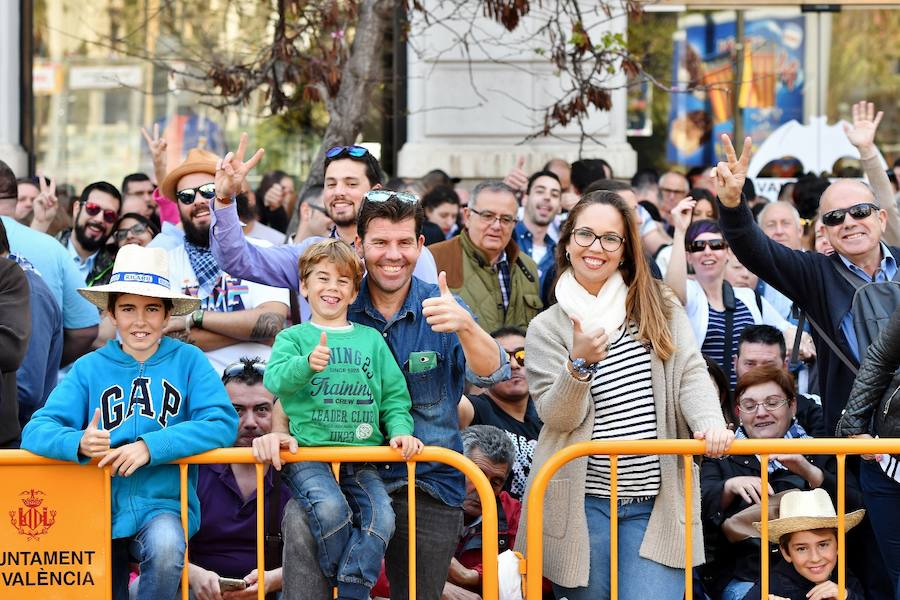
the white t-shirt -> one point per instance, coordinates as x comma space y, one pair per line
229, 295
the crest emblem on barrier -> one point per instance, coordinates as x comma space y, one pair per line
32, 519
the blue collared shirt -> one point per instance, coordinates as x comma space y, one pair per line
84, 266
525, 241
435, 393
886, 272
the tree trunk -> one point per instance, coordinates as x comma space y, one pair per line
348, 110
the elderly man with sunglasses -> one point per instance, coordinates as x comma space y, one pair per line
823, 287
351, 173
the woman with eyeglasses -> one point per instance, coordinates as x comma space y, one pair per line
615, 360
765, 407
713, 306
132, 228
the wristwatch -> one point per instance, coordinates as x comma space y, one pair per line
583, 369
197, 318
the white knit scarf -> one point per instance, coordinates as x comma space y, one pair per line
606, 310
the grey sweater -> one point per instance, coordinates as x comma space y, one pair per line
686, 401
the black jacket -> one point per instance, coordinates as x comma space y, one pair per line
103, 263
786, 582
810, 280
15, 329
875, 377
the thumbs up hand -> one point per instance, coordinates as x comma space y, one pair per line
94, 442
321, 354
517, 178
444, 313
591, 346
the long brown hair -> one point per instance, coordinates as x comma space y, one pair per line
645, 304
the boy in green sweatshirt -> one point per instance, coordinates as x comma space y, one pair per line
340, 385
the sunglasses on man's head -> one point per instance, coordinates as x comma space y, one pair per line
187, 196
238, 368
858, 211
93, 210
385, 195
354, 151
700, 245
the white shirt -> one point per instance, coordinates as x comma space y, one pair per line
229, 295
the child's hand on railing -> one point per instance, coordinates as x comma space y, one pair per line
407, 445
126, 459
267, 448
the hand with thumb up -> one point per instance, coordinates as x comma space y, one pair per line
321, 354
444, 313
517, 178
591, 346
94, 442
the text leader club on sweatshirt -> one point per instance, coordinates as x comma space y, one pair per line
359, 399
174, 401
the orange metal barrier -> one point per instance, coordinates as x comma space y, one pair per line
331, 455
688, 449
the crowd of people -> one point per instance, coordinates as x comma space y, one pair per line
178, 313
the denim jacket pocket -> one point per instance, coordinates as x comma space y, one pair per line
425, 387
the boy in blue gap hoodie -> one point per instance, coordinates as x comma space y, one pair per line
139, 402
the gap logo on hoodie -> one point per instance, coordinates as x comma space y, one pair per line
114, 410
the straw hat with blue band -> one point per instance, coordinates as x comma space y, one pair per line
144, 272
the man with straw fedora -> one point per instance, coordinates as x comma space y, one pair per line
806, 533
138, 403
236, 317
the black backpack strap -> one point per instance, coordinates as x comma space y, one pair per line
794, 363
730, 308
844, 272
274, 540
759, 300
833, 346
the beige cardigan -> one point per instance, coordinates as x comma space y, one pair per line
686, 401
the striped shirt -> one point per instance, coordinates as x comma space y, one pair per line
622, 391
505, 279
714, 344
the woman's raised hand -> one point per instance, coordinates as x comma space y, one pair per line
592, 347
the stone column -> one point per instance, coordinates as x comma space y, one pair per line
470, 115
11, 151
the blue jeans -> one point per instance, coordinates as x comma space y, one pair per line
639, 578
881, 495
736, 589
349, 556
159, 547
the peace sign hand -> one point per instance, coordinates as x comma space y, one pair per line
731, 173
158, 146
231, 171
45, 204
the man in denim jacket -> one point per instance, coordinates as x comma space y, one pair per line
434, 337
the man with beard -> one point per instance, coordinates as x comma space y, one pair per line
350, 172
94, 216
225, 544
236, 317
508, 405
542, 203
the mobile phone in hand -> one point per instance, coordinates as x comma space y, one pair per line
227, 584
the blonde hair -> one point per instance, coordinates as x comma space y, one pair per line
336, 251
646, 303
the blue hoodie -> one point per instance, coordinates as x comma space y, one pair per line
174, 401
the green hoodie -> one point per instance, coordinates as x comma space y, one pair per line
359, 399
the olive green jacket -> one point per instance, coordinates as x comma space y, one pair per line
471, 276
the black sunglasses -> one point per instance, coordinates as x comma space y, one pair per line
700, 245
857, 211
187, 196
236, 369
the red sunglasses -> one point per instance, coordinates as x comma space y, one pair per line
93, 210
